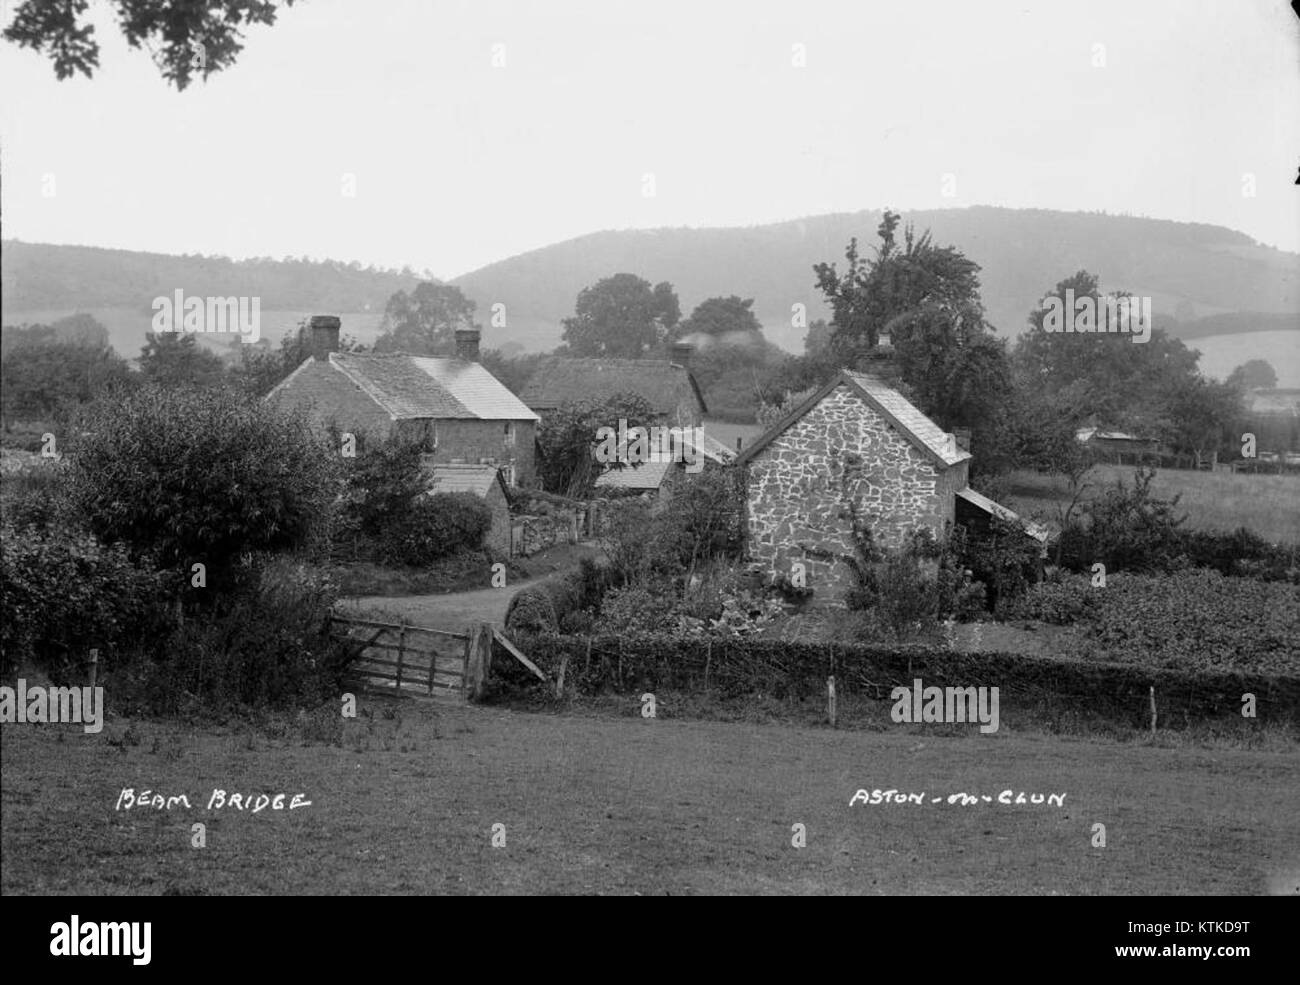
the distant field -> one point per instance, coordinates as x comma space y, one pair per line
638, 806
1267, 504
1221, 354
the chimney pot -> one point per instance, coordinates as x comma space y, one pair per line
324, 336
467, 340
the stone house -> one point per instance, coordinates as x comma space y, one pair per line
454, 408
659, 478
486, 482
854, 452
666, 384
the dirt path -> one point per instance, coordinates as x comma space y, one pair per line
457, 610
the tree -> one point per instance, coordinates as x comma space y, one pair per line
189, 476
41, 380
424, 322
191, 38
1201, 416
1118, 382
720, 317
1254, 374
175, 359
621, 315
565, 439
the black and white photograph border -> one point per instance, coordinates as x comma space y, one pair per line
726, 448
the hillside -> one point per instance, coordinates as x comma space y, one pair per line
1215, 281
1208, 270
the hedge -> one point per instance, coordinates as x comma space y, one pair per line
740, 667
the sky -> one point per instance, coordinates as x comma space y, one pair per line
448, 135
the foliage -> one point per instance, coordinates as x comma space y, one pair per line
1253, 374
1242, 553
63, 592
49, 378
1126, 529
189, 476
1062, 601
435, 526
565, 463
36, 496
189, 38
621, 315
424, 322
175, 359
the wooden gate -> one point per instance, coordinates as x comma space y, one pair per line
403, 659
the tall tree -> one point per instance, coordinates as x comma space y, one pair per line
176, 359
42, 380
424, 321
621, 315
187, 38
1254, 374
720, 316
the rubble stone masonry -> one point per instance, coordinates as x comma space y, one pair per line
803, 488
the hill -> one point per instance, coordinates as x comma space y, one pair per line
1215, 282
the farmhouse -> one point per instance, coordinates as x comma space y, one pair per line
661, 474
854, 452
1116, 445
458, 411
667, 385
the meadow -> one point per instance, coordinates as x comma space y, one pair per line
1269, 505
407, 799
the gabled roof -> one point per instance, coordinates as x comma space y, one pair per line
1084, 435
1035, 530
926, 436
418, 387
476, 479
645, 475
663, 384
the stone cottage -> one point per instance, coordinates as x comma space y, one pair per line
459, 412
854, 451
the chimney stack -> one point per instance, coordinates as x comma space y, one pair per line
324, 336
680, 353
467, 340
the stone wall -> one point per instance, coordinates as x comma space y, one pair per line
802, 491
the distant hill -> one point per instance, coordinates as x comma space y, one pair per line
1189, 270
1213, 280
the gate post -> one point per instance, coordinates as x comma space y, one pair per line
478, 660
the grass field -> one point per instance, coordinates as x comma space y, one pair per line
627, 805
1267, 504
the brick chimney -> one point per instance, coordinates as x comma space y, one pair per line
467, 340
680, 353
324, 336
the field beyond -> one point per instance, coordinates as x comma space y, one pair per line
1269, 505
408, 804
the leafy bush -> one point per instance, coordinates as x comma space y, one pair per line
1060, 603
62, 593
200, 475
435, 526
1243, 553
1126, 529
634, 610
270, 649
36, 495
532, 611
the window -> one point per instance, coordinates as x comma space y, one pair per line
510, 434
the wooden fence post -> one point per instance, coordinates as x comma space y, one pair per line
830, 699
401, 653
559, 678
478, 659
1153, 709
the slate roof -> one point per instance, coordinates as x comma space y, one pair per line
926, 436
650, 475
418, 387
476, 479
663, 384
1035, 530
1084, 435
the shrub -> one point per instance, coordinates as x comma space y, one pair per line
635, 610
1126, 529
435, 526
62, 593
35, 495
531, 611
200, 475
1244, 553
1060, 603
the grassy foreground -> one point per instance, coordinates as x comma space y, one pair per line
408, 804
